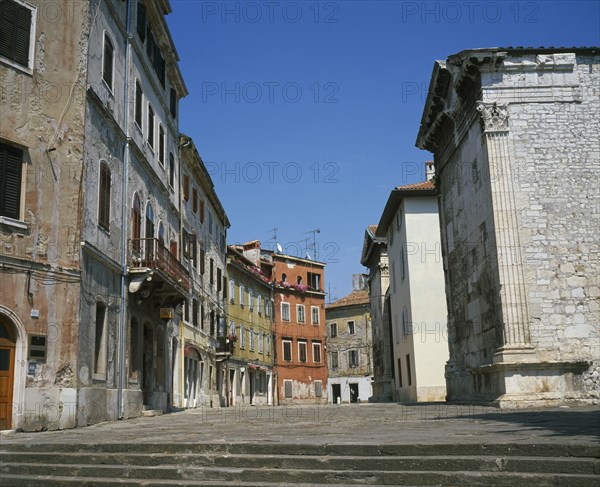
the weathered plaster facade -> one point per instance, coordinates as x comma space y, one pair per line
375, 258
417, 306
517, 154
349, 345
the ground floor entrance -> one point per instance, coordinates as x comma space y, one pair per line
8, 344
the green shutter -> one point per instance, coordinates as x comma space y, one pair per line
11, 166
15, 31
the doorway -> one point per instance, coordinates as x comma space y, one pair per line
147, 364
353, 392
336, 393
8, 345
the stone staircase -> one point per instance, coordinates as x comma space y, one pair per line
274, 464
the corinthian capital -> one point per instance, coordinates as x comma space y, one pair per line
494, 116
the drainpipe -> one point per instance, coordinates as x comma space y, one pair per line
122, 324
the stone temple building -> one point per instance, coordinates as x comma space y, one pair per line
515, 132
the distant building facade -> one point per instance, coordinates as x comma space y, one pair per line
374, 256
517, 156
417, 301
349, 345
250, 326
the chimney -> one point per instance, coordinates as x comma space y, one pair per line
252, 251
359, 282
429, 170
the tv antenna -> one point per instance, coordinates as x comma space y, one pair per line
314, 244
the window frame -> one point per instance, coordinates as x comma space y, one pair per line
287, 342
318, 315
138, 111
316, 346
106, 37
333, 326
17, 171
351, 327
300, 353
32, 36
150, 123
303, 308
104, 196
287, 306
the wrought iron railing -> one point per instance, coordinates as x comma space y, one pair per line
151, 253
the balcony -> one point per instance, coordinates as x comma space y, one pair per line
150, 253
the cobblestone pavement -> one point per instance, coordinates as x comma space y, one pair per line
345, 424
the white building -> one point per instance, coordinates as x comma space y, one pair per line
417, 298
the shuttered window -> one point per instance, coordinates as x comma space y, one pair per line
161, 145
173, 103
104, 197
138, 104
107, 63
287, 384
141, 21
150, 126
186, 187
15, 32
171, 170
318, 388
136, 223
11, 167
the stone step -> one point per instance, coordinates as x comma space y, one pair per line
587, 466
437, 479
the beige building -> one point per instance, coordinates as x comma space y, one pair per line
417, 299
349, 345
517, 154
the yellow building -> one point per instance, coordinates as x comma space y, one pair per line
249, 367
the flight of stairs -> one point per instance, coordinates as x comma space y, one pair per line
266, 464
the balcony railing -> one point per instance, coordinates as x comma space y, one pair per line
151, 253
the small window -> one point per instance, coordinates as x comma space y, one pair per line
11, 168
195, 320
242, 337
139, 96
315, 314
186, 310
408, 369
285, 311
268, 344
202, 259
173, 103
242, 300
104, 197
251, 300
100, 342
232, 329
318, 388
136, 223
171, 170
316, 352
287, 350
251, 340
287, 387
108, 62
260, 342
16, 39
334, 360
231, 291
151, 126
212, 271
314, 280
302, 351
194, 200
352, 358
186, 187
259, 304
201, 211
351, 327
402, 265
161, 145
141, 20
333, 330
301, 314
219, 280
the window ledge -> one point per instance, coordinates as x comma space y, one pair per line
24, 69
12, 222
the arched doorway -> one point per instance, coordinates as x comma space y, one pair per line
8, 343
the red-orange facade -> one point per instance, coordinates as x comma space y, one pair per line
300, 359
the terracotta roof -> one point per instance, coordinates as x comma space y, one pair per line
355, 298
423, 186
373, 228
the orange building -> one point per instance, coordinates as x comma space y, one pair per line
300, 359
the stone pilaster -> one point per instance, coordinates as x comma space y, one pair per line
515, 315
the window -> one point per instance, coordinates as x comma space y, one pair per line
402, 265
260, 342
161, 145
173, 103
193, 251
408, 370
108, 62
194, 200
287, 389
285, 311
11, 167
232, 291
302, 351
139, 95
136, 222
315, 314
202, 259
287, 350
318, 388
316, 352
334, 360
186, 187
212, 271
171, 170
352, 358
300, 313
405, 324
268, 344
210, 223
251, 340
195, 320
314, 280
333, 330
400, 372
150, 126
141, 20
231, 328
149, 230
16, 41
219, 280
267, 308
186, 310
133, 349
202, 315
104, 197
351, 327
224, 284
242, 337
242, 302
251, 300
259, 304
100, 343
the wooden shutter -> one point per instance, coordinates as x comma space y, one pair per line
138, 103
104, 197
194, 200
11, 167
173, 103
15, 29
186, 187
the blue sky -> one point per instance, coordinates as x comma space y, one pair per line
306, 113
